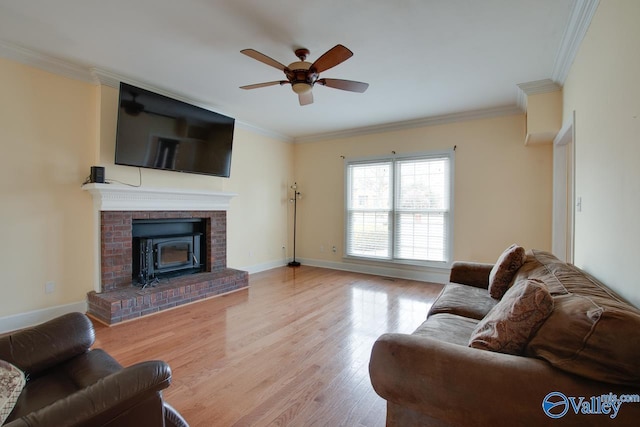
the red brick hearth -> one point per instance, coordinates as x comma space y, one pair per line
120, 300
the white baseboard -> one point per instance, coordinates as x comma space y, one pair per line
257, 268
30, 318
423, 274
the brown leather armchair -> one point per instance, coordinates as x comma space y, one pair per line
70, 384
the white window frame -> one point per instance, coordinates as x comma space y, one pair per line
392, 250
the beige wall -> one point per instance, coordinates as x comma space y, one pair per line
47, 133
502, 188
261, 167
52, 129
603, 90
258, 219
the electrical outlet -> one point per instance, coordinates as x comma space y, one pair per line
49, 287
334, 249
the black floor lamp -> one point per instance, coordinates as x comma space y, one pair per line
296, 196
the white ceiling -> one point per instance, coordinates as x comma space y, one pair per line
422, 58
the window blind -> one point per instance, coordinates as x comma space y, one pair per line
399, 209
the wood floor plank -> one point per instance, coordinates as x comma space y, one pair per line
291, 350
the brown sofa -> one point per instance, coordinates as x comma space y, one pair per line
588, 347
70, 384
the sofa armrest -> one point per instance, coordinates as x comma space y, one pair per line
111, 396
471, 273
465, 386
39, 347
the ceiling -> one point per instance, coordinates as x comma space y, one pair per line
422, 58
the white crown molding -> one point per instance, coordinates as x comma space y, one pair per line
106, 78
409, 124
112, 197
44, 62
533, 88
264, 132
579, 20
113, 79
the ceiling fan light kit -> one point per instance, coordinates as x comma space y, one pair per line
299, 75
301, 88
303, 75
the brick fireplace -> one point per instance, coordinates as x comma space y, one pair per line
117, 296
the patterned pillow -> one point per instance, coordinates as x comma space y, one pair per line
509, 326
505, 269
11, 384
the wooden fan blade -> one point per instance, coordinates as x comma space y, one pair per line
350, 85
263, 58
331, 58
257, 85
306, 98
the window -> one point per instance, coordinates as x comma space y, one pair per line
399, 209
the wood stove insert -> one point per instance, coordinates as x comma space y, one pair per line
164, 248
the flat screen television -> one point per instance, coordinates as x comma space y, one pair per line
158, 132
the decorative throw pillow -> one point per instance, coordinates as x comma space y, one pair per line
12, 382
509, 326
505, 269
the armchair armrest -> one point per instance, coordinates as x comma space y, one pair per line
471, 273
172, 418
37, 348
464, 386
103, 401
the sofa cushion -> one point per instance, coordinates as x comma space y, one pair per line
591, 336
509, 325
505, 269
42, 391
11, 384
447, 327
537, 265
561, 278
463, 300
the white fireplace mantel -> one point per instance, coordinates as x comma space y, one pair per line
113, 197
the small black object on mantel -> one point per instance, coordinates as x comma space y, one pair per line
97, 174
296, 196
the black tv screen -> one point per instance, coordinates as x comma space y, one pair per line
158, 132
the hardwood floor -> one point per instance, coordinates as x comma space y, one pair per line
292, 350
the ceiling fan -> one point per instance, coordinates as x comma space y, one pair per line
303, 75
